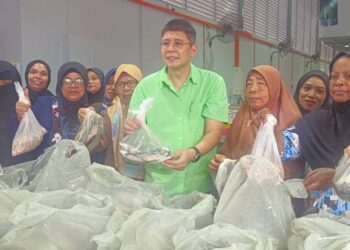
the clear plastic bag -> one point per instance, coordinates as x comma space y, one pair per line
256, 184
127, 195
58, 220
154, 229
91, 129
223, 173
64, 167
320, 231
29, 133
143, 146
265, 144
222, 236
341, 179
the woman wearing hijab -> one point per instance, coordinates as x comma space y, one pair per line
110, 92
325, 133
265, 92
66, 112
126, 77
38, 77
8, 99
95, 88
312, 91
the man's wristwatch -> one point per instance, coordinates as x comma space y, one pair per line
198, 154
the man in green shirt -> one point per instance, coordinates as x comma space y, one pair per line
189, 108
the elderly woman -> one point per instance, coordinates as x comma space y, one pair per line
125, 80
324, 134
62, 116
38, 77
95, 88
8, 99
265, 92
312, 91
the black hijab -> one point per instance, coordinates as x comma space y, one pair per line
33, 95
324, 133
98, 96
8, 99
69, 110
301, 82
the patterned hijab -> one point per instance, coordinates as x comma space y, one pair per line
302, 81
98, 96
33, 95
69, 110
240, 138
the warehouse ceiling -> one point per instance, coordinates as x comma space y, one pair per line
339, 43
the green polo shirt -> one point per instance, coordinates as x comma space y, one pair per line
178, 119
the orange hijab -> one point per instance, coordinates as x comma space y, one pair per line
240, 138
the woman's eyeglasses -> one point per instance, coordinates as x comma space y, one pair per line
68, 81
121, 85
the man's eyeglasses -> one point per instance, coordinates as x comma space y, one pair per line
177, 44
68, 81
121, 85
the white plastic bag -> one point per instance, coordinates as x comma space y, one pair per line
127, 195
91, 129
320, 231
29, 133
154, 229
10, 199
223, 173
254, 197
265, 144
58, 220
194, 201
64, 167
341, 179
143, 146
222, 236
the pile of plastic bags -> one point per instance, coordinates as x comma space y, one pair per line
60, 201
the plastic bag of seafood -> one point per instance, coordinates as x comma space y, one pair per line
29, 132
143, 146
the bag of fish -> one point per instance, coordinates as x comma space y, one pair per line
91, 129
29, 132
143, 146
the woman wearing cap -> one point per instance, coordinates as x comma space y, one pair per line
126, 78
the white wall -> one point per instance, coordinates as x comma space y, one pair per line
106, 33
10, 30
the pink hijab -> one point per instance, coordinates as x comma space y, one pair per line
240, 138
